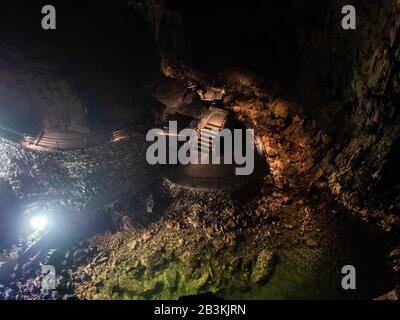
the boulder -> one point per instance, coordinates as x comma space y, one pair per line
201, 281
170, 279
280, 109
263, 267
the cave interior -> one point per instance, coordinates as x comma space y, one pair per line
76, 103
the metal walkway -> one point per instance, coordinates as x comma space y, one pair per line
53, 141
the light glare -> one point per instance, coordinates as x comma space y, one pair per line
38, 223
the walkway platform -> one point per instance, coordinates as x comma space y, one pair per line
51, 141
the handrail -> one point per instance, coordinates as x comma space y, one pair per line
17, 132
85, 139
93, 134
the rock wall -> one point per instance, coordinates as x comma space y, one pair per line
166, 26
345, 85
89, 73
35, 90
356, 102
34, 98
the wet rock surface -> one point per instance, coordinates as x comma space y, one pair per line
262, 267
72, 179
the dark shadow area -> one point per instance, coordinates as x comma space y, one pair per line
104, 50
256, 35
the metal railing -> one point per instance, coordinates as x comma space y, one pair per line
68, 143
8, 130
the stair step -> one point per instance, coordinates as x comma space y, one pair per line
209, 133
202, 138
212, 128
205, 145
206, 149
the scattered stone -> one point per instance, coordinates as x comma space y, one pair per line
311, 243
153, 261
147, 236
133, 245
393, 295
102, 260
280, 109
218, 244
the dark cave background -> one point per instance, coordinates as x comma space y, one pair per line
92, 50
258, 36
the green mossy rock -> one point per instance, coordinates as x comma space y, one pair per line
263, 267
170, 279
202, 281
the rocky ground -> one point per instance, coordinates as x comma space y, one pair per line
330, 196
168, 241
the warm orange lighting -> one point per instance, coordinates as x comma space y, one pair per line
118, 137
